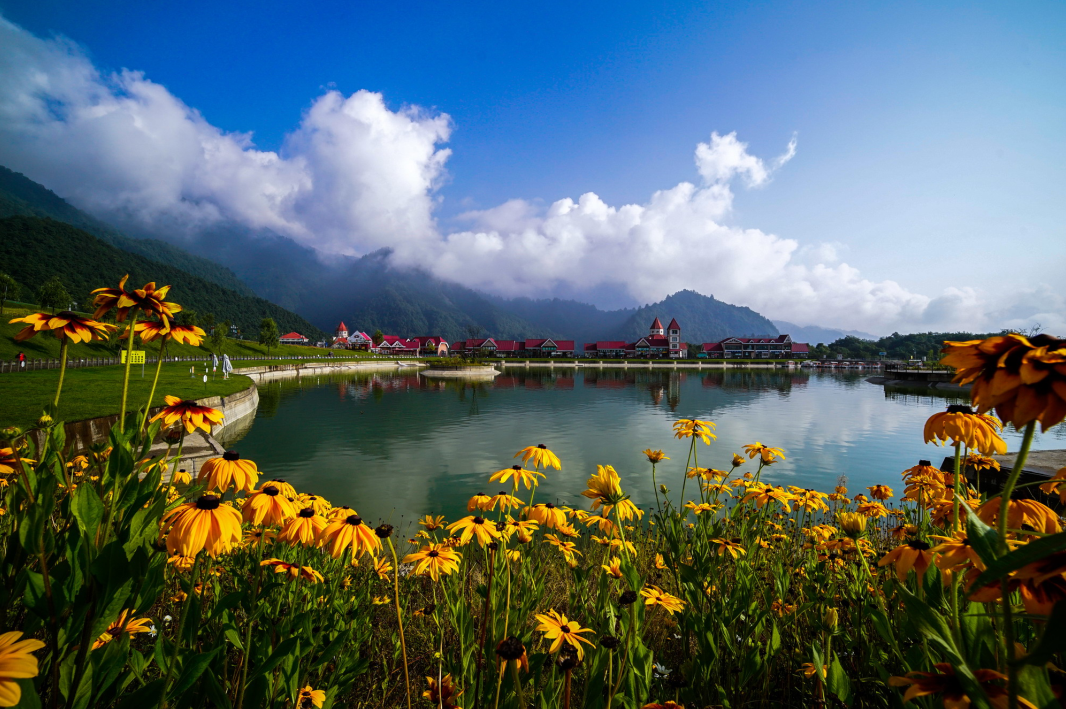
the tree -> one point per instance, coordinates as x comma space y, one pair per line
208, 323
268, 333
52, 294
377, 337
218, 336
188, 318
9, 290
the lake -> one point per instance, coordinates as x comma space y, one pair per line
394, 445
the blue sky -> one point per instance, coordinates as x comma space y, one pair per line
930, 142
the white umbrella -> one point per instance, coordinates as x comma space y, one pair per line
227, 367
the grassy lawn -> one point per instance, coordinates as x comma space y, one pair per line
44, 345
97, 391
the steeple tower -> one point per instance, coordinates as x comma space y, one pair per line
657, 328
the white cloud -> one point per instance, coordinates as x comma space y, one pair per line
355, 176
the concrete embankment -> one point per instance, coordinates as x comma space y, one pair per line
288, 371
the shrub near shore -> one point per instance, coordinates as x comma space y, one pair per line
236, 590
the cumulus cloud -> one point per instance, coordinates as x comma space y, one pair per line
355, 176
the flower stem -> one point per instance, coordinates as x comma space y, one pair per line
399, 617
248, 631
518, 685
169, 677
126, 376
155, 380
62, 369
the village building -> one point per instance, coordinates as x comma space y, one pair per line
533, 347
780, 347
660, 342
293, 338
432, 345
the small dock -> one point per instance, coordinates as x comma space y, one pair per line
1040, 466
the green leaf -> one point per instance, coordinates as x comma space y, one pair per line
1022, 556
837, 680
115, 605
276, 657
87, 508
147, 696
192, 670
1053, 639
983, 539
29, 699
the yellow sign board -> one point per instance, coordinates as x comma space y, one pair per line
138, 357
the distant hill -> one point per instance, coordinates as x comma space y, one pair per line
370, 294
568, 318
702, 318
34, 249
814, 334
21, 196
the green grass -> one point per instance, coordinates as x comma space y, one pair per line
44, 345
97, 391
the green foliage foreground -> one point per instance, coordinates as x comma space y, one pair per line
143, 594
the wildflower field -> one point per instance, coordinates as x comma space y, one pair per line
122, 586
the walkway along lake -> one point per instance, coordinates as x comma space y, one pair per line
395, 445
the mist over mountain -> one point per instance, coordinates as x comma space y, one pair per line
371, 292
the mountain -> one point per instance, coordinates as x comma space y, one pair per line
36, 249
702, 319
21, 196
371, 294
568, 318
814, 334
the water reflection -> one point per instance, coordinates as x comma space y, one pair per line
396, 443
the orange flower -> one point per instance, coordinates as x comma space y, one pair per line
914, 554
1021, 513
880, 492
268, 506
959, 424
63, 325
203, 524
1023, 379
123, 625
229, 470
148, 299
945, 683
190, 413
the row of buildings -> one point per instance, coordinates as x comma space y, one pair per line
660, 342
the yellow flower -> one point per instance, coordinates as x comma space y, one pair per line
702, 507
149, 299
66, 325
505, 501
432, 523
613, 567
182, 334
694, 428
318, 503
765, 494
1036, 515
569, 549
286, 488
808, 670
659, 562
523, 528
655, 596
914, 554
853, 523
604, 488
443, 695
955, 550
203, 524
435, 559
541, 457
559, 629
766, 454
656, 456
191, 414
732, 547
738, 460
547, 514
959, 424
253, 537
381, 600
880, 492
874, 510
268, 506
123, 625
16, 663
304, 528
351, 531
382, 567
220, 473
480, 501
310, 698
472, 526
519, 475
295, 571
1023, 379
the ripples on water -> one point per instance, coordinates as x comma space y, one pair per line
392, 444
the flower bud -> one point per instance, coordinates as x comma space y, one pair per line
510, 649
384, 531
627, 598
45, 421
830, 618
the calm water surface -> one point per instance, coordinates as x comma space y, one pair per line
395, 445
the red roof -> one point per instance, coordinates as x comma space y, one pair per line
712, 347
606, 345
657, 325
800, 347
507, 345
673, 325
342, 326
292, 336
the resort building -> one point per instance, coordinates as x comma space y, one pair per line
660, 342
293, 338
780, 347
432, 345
534, 347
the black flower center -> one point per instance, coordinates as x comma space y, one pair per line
433, 554
354, 520
564, 628
918, 545
516, 467
959, 409
307, 512
479, 520
208, 502
231, 455
542, 446
271, 490
549, 506
925, 463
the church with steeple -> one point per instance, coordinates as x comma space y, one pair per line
660, 342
